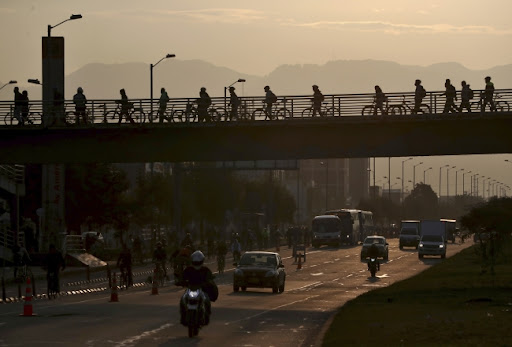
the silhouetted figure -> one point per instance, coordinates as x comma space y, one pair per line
24, 107
203, 103
380, 97
162, 104
318, 98
125, 107
234, 102
419, 94
488, 95
451, 96
124, 262
270, 99
54, 263
80, 102
18, 97
466, 94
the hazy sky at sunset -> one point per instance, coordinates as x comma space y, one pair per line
256, 36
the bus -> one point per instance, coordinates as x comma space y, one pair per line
450, 228
357, 224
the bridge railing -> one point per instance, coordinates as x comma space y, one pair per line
184, 110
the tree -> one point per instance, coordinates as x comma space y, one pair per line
422, 203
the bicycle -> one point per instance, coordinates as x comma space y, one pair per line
404, 107
278, 113
191, 114
30, 119
72, 118
308, 112
170, 115
371, 110
135, 113
499, 105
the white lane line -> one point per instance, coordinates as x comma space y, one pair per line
131, 341
314, 284
317, 274
272, 309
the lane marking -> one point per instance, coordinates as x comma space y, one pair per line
131, 340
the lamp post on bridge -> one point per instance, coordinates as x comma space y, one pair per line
440, 178
424, 171
456, 182
240, 80
463, 185
72, 17
10, 82
448, 182
151, 67
414, 174
402, 179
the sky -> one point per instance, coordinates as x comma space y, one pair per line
255, 37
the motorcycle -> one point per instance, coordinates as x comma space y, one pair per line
195, 311
373, 266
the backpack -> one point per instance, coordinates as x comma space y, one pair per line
471, 94
423, 92
273, 98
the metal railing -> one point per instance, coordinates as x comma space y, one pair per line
184, 110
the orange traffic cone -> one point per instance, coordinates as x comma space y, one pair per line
113, 290
27, 307
154, 289
299, 264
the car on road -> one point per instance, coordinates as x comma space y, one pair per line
432, 245
380, 242
258, 269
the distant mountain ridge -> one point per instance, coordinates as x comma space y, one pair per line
184, 78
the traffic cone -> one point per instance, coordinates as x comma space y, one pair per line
154, 289
27, 307
113, 290
299, 264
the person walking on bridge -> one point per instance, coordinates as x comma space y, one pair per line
451, 97
380, 97
466, 94
80, 102
488, 95
318, 98
203, 103
419, 94
125, 107
18, 100
164, 99
234, 102
270, 99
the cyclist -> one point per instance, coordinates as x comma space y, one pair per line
465, 96
18, 100
159, 257
234, 102
203, 103
80, 100
124, 262
222, 250
270, 99
488, 95
380, 97
318, 98
54, 262
125, 107
419, 94
164, 99
451, 95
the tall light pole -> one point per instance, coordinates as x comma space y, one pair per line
440, 179
448, 181
463, 186
474, 184
326, 163
414, 174
10, 82
72, 17
402, 192
240, 80
424, 179
151, 67
456, 183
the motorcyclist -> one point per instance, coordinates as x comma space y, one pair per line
373, 252
198, 276
160, 256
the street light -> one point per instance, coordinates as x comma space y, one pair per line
474, 184
326, 179
72, 17
241, 80
483, 186
448, 181
402, 192
151, 66
414, 174
424, 180
440, 179
10, 82
34, 81
463, 186
456, 183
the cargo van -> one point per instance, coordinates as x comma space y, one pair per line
409, 234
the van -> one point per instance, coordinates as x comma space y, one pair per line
409, 234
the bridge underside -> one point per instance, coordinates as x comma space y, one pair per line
343, 137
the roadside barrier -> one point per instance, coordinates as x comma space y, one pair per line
154, 289
113, 290
27, 306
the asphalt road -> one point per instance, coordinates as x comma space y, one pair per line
329, 278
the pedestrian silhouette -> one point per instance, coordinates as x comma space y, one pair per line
419, 94
318, 98
466, 94
18, 100
380, 97
488, 95
24, 107
80, 102
164, 99
451, 96
203, 103
270, 99
234, 102
125, 107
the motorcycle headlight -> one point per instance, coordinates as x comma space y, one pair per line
421, 244
193, 294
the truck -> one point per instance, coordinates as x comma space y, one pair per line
451, 229
433, 238
409, 234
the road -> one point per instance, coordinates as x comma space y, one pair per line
329, 278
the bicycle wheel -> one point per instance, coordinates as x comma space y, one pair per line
502, 106
425, 109
214, 115
395, 110
9, 118
259, 114
70, 118
110, 117
333, 112
368, 110
177, 116
307, 113
138, 116
283, 113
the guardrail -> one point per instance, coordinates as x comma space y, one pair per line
184, 110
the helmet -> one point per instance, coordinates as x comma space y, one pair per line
197, 258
